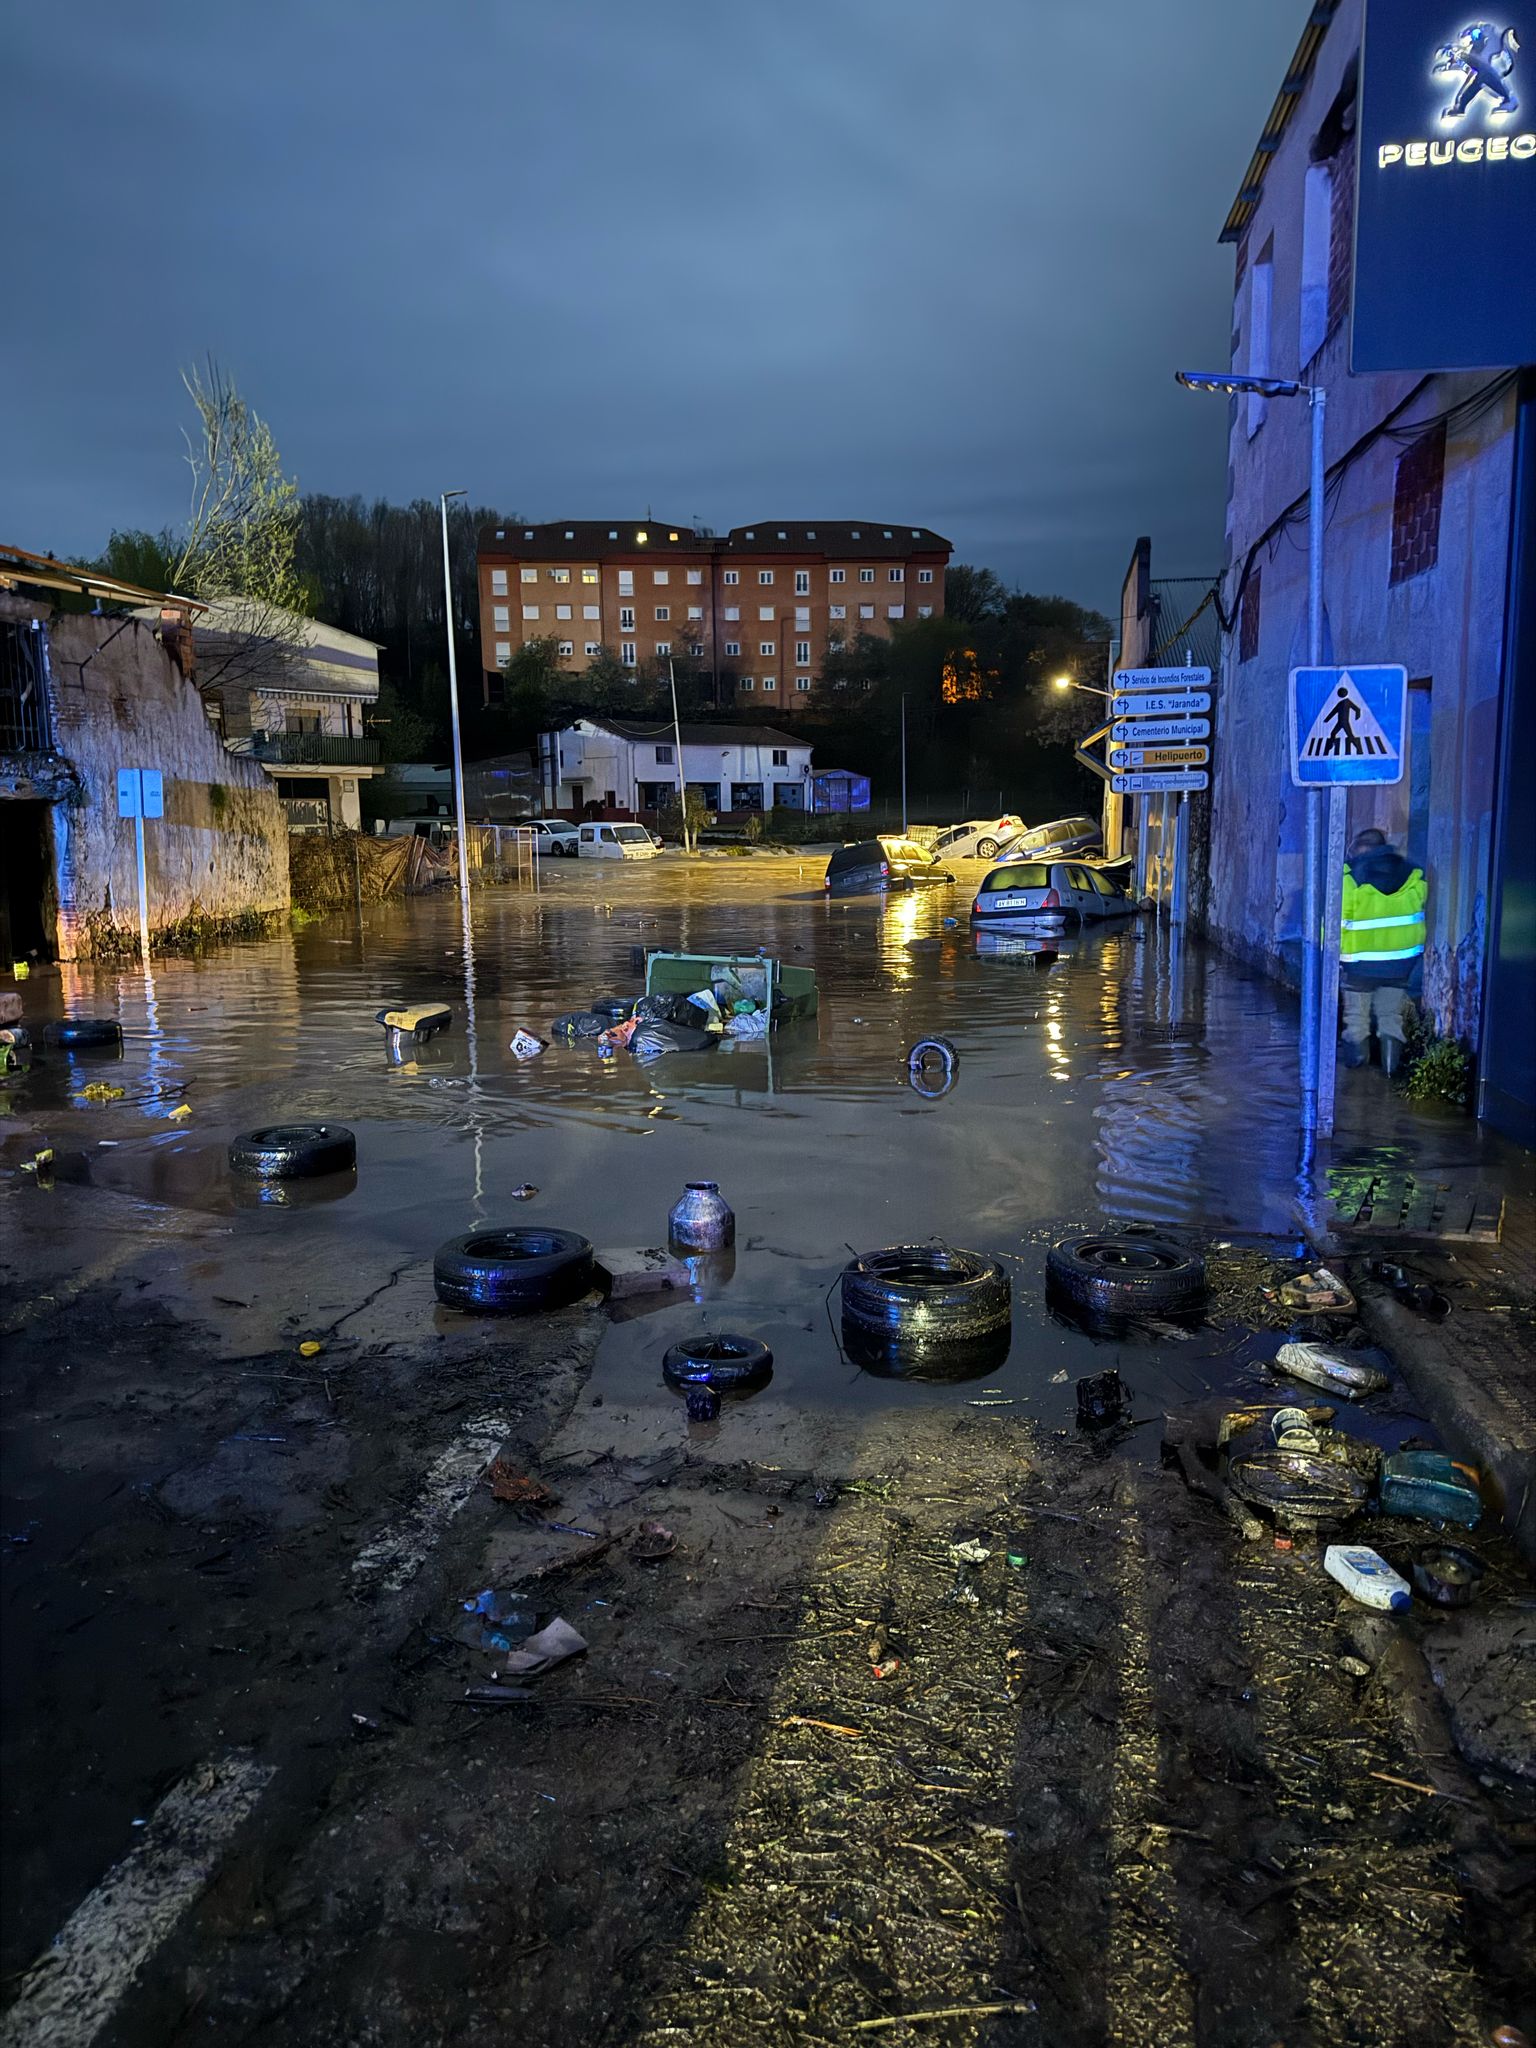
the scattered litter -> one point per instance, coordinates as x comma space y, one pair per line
701, 1220
1448, 1574
1300, 1490
1059, 1379
654, 1542
310, 1348
1354, 1667
524, 1191
180, 1113
1416, 1294
970, 1552
703, 1404
365, 1726
618, 1035
1316, 1366
1100, 1399
1430, 1485
633, 1273
1321, 1292
571, 1529
1366, 1577
515, 1487
496, 1695
551, 1646
526, 1047
102, 1091
832, 1727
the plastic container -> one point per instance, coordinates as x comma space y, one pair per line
1367, 1577
701, 1221
1292, 1430
1428, 1484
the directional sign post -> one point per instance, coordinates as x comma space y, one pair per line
1130, 680
1156, 732
1160, 704
1143, 784
141, 795
1159, 757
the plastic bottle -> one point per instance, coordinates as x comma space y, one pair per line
701, 1221
1367, 1577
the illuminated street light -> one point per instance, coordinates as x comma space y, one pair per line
1230, 384
1071, 683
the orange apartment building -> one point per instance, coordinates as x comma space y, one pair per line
757, 604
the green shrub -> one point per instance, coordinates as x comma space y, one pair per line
1441, 1072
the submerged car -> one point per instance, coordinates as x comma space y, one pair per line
616, 842
1049, 892
1062, 836
553, 836
978, 838
883, 864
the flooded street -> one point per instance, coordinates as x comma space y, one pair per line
234, 1570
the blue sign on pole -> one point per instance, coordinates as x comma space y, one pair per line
1346, 725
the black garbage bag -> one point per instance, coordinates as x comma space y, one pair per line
577, 1024
651, 1039
669, 1009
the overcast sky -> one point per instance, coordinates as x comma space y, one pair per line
880, 259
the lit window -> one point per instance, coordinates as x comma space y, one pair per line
866, 575
802, 583
661, 575
567, 647
782, 534
810, 533
527, 533
503, 653
663, 648
591, 611
589, 576
613, 533
838, 611
594, 647
627, 653
765, 575
803, 653
498, 583
501, 617
663, 612
733, 575
854, 533
626, 618
895, 611
866, 611
925, 575
837, 575
765, 611
765, 647
732, 649
751, 534
560, 575
733, 611
695, 575
570, 533
530, 611
529, 575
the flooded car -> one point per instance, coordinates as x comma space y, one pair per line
1062, 836
978, 838
886, 863
1048, 893
616, 842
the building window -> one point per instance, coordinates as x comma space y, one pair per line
838, 611
501, 617
895, 575
562, 611
837, 575
559, 575
589, 576
765, 647
925, 575
661, 575
627, 653
1248, 618
1341, 241
503, 653
591, 611
1416, 498
567, 647
663, 649
866, 575
626, 618
498, 583
925, 611
802, 682
695, 575
770, 682
626, 583
695, 611
781, 757
866, 611
593, 649
765, 611
1261, 299
733, 575
732, 611
1316, 227
744, 683
695, 648
895, 611
664, 757
802, 615
732, 649
803, 653
529, 575
765, 575
530, 611
663, 612
802, 583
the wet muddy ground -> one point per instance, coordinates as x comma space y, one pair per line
1117, 1784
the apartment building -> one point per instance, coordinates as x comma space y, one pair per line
755, 607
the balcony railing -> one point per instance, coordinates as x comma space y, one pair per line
306, 813
24, 723
314, 750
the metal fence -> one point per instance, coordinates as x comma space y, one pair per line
25, 727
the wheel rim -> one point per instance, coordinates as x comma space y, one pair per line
1112, 1255
922, 1266
290, 1134
506, 1245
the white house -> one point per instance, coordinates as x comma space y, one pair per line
625, 766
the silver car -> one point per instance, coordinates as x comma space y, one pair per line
1049, 893
978, 838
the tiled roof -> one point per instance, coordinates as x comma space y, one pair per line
701, 735
592, 538
837, 536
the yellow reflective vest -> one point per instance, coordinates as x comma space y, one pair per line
1381, 930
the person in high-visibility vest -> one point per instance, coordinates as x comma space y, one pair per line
1380, 946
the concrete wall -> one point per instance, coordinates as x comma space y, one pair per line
219, 856
1444, 625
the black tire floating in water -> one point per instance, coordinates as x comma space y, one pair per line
1123, 1274
84, 1031
718, 1361
923, 1294
293, 1151
513, 1271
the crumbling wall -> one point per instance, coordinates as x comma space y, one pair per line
216, 863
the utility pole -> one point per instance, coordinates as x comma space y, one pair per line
453, 702
677, 735
1314, 911
903, 764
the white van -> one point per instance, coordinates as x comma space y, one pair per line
616, 842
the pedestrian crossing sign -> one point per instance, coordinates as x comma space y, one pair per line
1347, 725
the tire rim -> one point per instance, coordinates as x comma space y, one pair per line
513, 1245
291, 1134
718, 1351
921, 1266
1113, 1255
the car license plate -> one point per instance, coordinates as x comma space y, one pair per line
1017, 904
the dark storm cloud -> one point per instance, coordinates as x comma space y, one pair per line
861, 258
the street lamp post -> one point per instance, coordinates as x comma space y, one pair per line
453, 705
1320, 920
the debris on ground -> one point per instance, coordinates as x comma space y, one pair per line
1100, 1399
525, 1046
1367, 1577
653, 1542
631, 1273
553, 1645
1431, 1487
1448, 1574
1315, 1365
1320, 1292
516, 1488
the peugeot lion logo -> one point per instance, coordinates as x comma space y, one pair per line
1480, 60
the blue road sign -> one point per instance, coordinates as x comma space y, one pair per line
1347, 725
140, 793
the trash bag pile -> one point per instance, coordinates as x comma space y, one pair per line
735, 1006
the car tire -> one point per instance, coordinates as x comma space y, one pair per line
513, 1271
927, 1293
84, 1032
293, 1151
986, 849
718, 1360
1125, 1273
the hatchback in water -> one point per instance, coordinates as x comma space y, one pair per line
616, 842
883, 864
1046, 892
